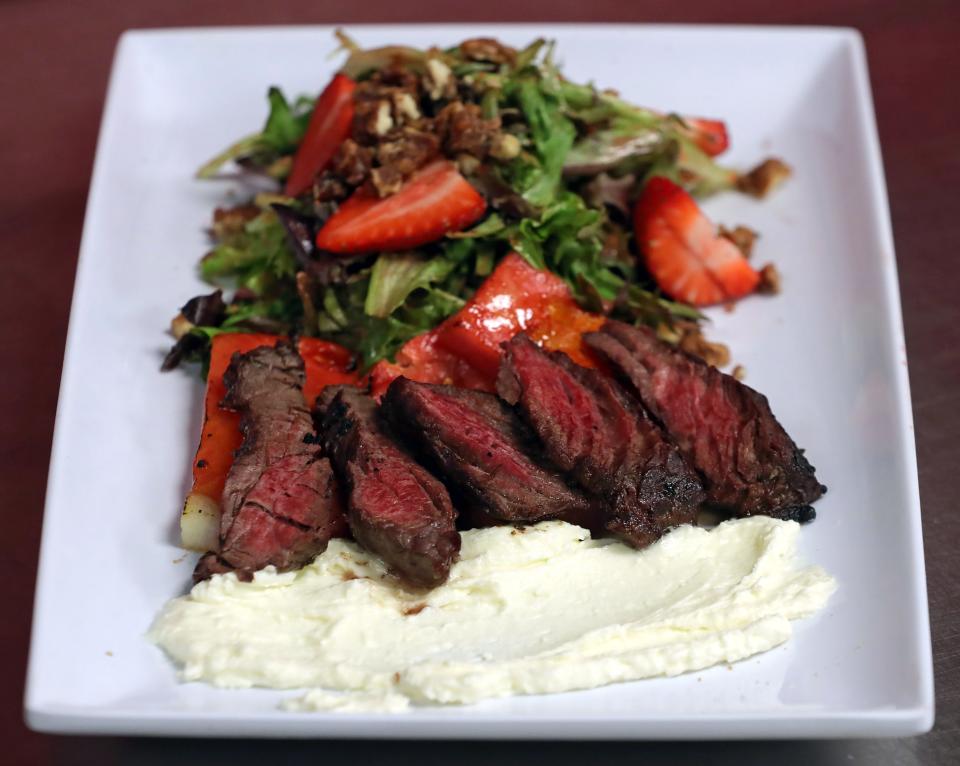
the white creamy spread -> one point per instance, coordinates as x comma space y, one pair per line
525, 611
317, 700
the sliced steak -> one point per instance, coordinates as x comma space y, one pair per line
484, 453
592, 429
726, 429
280, 505
396, 508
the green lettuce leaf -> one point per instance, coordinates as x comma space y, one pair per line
679, 158
492, 224
396, 275
613, 150
553, 136
286, 122
260, 249
343, 319
225, 260
568, 240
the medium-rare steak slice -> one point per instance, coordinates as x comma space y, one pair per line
726, 429
483, 451
396, 508
592, 429
280, 505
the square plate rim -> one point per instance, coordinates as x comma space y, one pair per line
866, 722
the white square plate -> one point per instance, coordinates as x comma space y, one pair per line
829, 353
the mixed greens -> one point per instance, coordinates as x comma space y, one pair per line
559, 165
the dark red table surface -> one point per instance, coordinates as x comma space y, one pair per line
54, 61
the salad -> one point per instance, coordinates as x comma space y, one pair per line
399, 189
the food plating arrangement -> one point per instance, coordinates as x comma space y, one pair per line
462, 417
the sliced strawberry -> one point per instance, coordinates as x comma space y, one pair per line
710, 135
329, 127
684, 253
435, 201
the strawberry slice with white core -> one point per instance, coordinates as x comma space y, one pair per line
435, 201
684, 253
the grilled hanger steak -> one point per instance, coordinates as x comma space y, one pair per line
280, 504
396, 508
484, 452
749, 463
590, 428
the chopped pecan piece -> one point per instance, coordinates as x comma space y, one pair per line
488, 49
327, 187
396, 75
742, 236
409, 150
228, 222
463, 129
769, 280
386, 180
438, 80
352, 162
405, 109
764, 178
692, 341
382, 119
365, 116
389, 97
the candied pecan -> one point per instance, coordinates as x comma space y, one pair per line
742, 236
463, 130
389, 97
401, 155
365, 115
769, 280
386, 180
692, 341
327, 187
396, 75
352, 162
764, 178
371, 121
408, 150
405, 108
488, 49
438, 80
390, 78
228, 222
